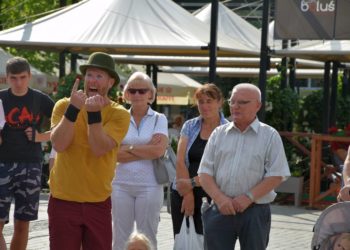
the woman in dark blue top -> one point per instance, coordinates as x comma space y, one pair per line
186, 194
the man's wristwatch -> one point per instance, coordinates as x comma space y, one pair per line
250, 196
131, 147
193, 182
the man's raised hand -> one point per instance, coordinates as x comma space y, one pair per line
96, 103
77, 97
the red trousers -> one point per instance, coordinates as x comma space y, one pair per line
75, 224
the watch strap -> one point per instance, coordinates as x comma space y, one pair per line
250, 196
193, 182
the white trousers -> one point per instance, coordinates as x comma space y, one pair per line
139, 204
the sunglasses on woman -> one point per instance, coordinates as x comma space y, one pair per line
141, 91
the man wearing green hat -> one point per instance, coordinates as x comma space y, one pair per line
87, 130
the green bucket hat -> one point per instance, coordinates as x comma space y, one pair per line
102, 61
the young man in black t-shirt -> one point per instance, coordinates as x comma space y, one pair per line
20, 151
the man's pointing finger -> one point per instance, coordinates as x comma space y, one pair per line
76, 85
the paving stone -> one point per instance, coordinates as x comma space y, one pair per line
291, 228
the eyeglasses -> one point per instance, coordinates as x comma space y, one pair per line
140, 91
239, 103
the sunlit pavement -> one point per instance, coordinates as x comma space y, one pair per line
291, 228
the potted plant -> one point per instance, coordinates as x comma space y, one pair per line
295, 183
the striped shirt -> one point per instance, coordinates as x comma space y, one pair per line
238, 161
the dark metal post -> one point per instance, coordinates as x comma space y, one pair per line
62, 56
213, 40
264, 54
325, 102
345, 89
148, 70
155, 82
155, 75
292, 68
73, 62
62, 63
1, 25
284, 66
333, 107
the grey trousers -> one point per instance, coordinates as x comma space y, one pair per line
251, 228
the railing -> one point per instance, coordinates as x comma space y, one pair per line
316, 163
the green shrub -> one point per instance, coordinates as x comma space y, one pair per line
282, 105
310, 116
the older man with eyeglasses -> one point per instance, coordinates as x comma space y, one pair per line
243, 162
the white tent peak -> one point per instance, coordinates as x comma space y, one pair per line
6, 56
232, 25
39, 79
120, 27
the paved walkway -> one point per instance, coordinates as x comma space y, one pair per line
291, 229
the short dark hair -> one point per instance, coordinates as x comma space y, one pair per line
17, 65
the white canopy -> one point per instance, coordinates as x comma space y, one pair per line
172, 89
175, 89
242, 62
153, 27
241, 72
334, 50
320, 50
232, 25
39, 79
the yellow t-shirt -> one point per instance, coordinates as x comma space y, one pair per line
78, 175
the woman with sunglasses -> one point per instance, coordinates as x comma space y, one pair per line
136, 196
186, 193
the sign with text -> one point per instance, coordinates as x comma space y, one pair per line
312, 19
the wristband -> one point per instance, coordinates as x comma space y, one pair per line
250, 196
193, 182
94, 117
71, 113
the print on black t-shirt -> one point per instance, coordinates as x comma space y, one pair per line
21, 118
22, 112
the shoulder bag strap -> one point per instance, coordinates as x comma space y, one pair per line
36, 110
155, 123
36, 103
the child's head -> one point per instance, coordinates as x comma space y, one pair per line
138, 241
17, 65
342, 242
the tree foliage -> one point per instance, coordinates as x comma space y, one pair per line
17, 12
310, 115
282, 105
310, 118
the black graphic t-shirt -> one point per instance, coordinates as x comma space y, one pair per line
20, 114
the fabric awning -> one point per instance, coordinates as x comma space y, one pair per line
175, 89
137, 27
